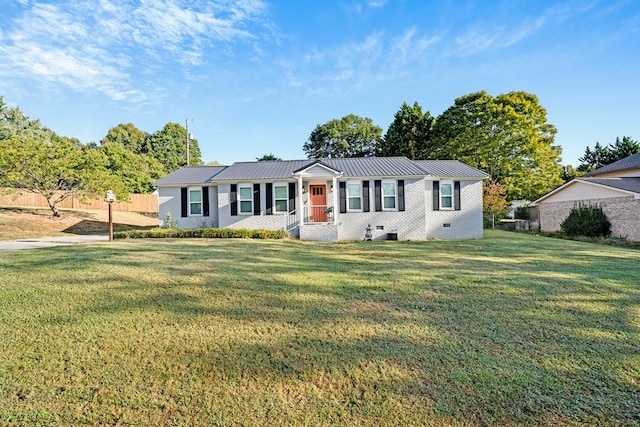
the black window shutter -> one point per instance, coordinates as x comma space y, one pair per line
269, 198
205, 201
233, 195
456, 195
343, 196
401, 195
256, 199
292, 196
366, 205
436, 195
184, 202
377, 184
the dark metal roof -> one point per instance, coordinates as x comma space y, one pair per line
355, 167
450, 168
631, 162
270, 169
189, 175
375, 166
628, 184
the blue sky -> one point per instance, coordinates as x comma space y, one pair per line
256, 76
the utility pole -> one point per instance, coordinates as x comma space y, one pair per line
187, 127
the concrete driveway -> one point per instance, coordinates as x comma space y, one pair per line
47, 242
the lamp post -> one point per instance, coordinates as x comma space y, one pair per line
110, 197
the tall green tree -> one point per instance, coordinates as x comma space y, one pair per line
130, 137
569, 173
409, 133
506, 136
14, 122
267, 157
624, 147
135, 172
56, 168
594, 159
603, 155
36, 160
169, 147
350, 136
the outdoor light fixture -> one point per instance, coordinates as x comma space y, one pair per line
110, 197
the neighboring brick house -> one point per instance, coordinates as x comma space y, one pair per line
331, 199
615, 187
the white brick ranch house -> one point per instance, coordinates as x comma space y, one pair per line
330, 199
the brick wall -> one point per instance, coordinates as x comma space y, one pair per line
319, 232
622, 212
451, 224
409, 225
169, 201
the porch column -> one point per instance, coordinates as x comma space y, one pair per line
335, 199
300, 209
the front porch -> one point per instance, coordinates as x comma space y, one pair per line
317, 224
318, 199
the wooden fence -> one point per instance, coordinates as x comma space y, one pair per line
142, 203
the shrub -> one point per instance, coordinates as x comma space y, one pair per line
207, 233
521, 212
169, 222
587, 221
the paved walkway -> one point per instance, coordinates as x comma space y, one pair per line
47, 242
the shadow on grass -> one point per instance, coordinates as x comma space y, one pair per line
87, 226
483, 332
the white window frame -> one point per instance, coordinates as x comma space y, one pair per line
241, 200
443, 196
285, 199
191, 203
358, 196
395, 194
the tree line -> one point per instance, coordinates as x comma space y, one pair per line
127, 160
507, 136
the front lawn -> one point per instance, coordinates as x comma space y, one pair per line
512, 329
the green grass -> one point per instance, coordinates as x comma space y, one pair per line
512, 329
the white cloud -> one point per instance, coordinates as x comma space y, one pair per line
357, 65
495, 35
97, 46
377, 3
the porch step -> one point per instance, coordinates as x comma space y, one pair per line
319, 231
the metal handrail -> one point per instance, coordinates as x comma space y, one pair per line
291, 220
318, 214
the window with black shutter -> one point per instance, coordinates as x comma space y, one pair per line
205, 201
292, 196
366, 204
256, 199
269, 198
233, 196
184, 202
377, 190
436, 195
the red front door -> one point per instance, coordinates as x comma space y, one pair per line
318, 203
